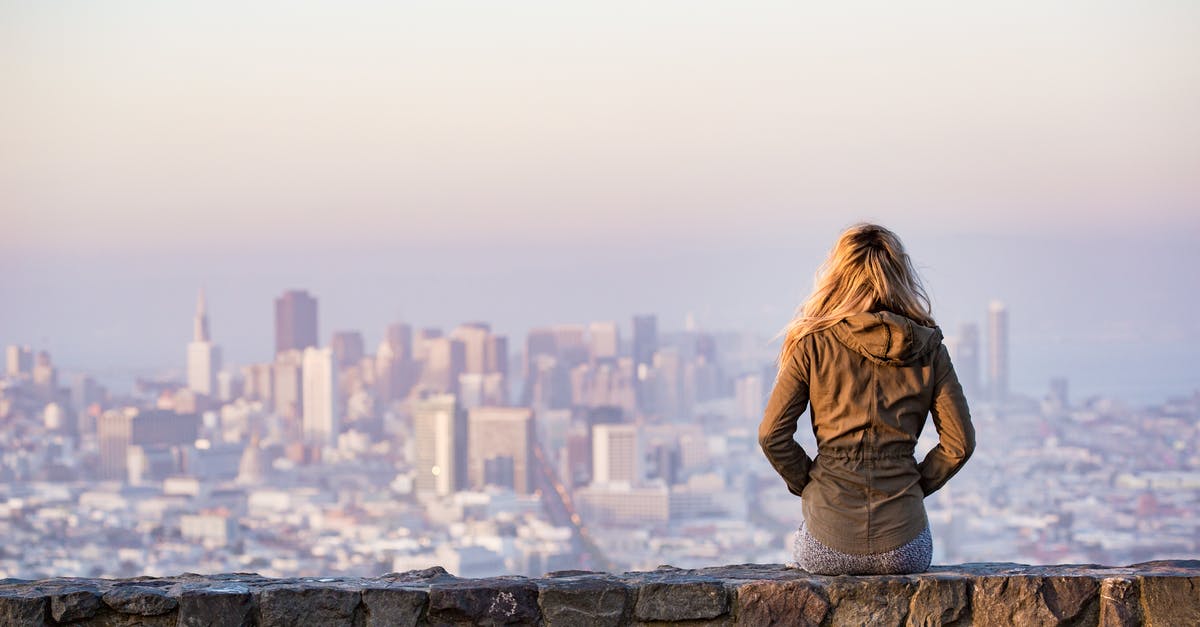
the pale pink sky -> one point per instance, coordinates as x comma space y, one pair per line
567, 161
225, 124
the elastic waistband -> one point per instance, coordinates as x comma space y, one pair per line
887, 452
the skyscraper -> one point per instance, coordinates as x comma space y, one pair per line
400, 336
19, 361
497, 355
998, 351
966, 358
439, 431
445, 361
645, 339
204, 357
645, 344
287, 379
501, 440
348, 349
295, 321
604, 340
320, 406
616, 456
474, 337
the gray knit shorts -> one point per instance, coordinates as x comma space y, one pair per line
816, 558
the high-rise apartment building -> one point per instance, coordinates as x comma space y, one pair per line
616, 456
998, 351
400, 336
203, 356
645, 344
474, 337
440, 439
19, 361
445, 361
603, 340
320, 403
295, 321
500, 448
966, 358
288, 384
348, 348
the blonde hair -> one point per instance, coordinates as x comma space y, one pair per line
867, 270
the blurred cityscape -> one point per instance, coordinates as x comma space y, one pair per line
597, 445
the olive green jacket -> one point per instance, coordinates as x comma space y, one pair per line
871, 380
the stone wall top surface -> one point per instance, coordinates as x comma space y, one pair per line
1152, 593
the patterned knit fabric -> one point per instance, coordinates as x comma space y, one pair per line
816, 558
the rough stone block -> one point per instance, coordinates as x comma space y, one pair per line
880, 600
76, 603
1072, 600
307, 603
944, 601
785, 603
1170, 600
1120, 602
209, 604
23, 608
393, 605
140, 600
681, 598
495, 601
588, 600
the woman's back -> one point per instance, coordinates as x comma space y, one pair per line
865, 352
872, 380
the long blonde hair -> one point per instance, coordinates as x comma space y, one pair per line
867, 270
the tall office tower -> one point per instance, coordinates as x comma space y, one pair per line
439, 431
998, 351
260, 382
604, 340
287, 378
570, 343
320, 414
295, 321
19, 361
497, 355
203, 357
538, 341
118, 430
45, 376
750, 397
421, 343
616, 456
500, 448
706, 347
966, 358
667, 384
348, 349
645, 339
645, 343
400, 336
446, 360
474, 338
113, 429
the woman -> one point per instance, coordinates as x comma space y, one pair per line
865, 353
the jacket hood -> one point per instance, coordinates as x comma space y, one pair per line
887, 338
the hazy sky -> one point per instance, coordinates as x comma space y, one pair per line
542, 160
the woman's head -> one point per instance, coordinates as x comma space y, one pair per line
867, 270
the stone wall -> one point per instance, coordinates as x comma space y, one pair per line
1152, 593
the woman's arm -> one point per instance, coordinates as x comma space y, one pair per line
952, 419
788, 400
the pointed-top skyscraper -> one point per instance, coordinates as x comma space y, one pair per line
204, 357
998, 351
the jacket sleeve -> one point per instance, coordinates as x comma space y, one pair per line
952, 419
788, 400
